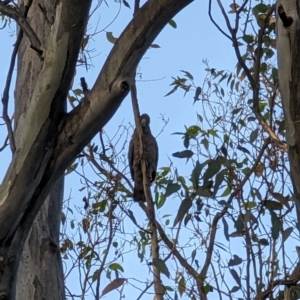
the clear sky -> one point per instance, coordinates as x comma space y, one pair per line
183, 48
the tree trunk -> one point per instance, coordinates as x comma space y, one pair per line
47, 138
40, 273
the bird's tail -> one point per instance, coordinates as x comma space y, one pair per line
138, 194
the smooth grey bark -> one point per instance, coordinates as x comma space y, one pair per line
48, 139
40, 273
288, 57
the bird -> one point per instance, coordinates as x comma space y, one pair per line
150, 155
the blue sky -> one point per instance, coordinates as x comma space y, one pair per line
183, 48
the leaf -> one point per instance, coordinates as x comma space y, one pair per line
126, 3
172, 91
224, 151
260, 8
193, 131
173, 24
63, 218
235, 276
172, 188
259, 169
219, 179
182, 211
110, 37
282, 199
196, 174
154, 46
187, 74
183, 154
213, 168
197, 93
116, 283
205, 143
263, 242
226, 229
194, 252
245, 150
235, 261
248, 38
71, 168
235, 289
204, 191
286, 233
207, 288
273, 205
161, 266
276, 224
181, 286
85, 225
239, 224
236, 110
253, 135
131, 216
116, 266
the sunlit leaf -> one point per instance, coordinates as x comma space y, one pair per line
110, 37
116, 266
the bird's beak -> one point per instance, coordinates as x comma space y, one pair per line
143, 122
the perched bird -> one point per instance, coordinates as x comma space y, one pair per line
150, 155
